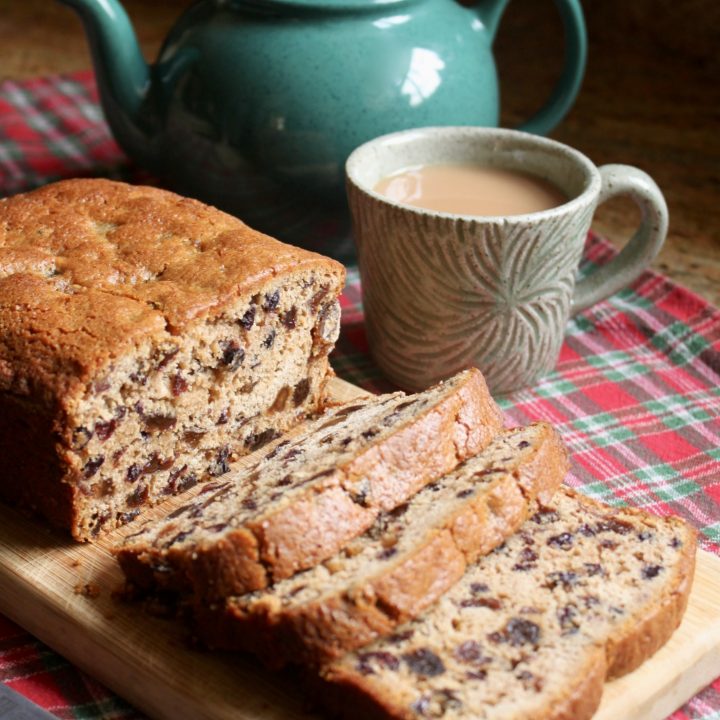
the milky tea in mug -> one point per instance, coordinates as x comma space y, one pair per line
470, 190
446, 290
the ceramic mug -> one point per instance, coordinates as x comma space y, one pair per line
444, 291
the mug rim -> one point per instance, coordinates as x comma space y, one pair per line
591, 170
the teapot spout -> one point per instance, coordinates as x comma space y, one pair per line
122, 74
490, 12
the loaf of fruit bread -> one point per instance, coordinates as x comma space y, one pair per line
305, 498
579, 594
145, 341
401, 565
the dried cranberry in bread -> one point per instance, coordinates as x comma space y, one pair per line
145, 341
306, 498
582, 592
401, 565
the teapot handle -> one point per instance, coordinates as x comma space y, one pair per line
575, 56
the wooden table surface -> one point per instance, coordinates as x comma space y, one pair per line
651, 98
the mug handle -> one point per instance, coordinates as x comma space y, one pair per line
641, 249
567, 87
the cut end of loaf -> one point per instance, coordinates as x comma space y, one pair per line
179, 412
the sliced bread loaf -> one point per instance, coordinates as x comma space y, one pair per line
147, 341
308, 496
401, 565
581, 593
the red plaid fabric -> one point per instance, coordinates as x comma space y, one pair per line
636, 393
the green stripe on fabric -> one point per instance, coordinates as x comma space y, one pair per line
677, 491
604, 428
654, 473
602, 491
679, 343
677, 411
712, 532
610, 358
630, 300
66, 146
618, 366
10, 151
554, 386
580, 324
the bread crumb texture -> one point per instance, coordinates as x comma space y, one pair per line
146, 340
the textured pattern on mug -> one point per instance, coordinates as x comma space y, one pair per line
453, 292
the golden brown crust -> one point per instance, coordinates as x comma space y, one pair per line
234, 561
642, 637
430, 447
347, 696
89, 268
39, 487
322, 630
392, 470
582, 699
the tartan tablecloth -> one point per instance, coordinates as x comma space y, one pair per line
636, 393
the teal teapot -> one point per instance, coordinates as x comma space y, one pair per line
254, 105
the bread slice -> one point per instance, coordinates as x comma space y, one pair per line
401, 566
581, 593
307, 497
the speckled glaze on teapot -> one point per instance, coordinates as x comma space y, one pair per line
254, 105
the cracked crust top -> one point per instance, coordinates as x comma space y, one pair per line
90, 268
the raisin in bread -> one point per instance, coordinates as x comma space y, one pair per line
398, 568
582, 592
307, 497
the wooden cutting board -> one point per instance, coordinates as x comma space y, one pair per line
62, 593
